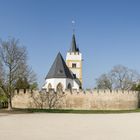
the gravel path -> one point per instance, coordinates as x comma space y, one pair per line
43, 126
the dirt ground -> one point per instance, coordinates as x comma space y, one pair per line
44, 126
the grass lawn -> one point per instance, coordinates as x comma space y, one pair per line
82, 111
17, 110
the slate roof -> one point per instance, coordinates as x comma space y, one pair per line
59, 69
74, 47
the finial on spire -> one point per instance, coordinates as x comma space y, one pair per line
73, 26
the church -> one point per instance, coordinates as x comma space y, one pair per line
66, 75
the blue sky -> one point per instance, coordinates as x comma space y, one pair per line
107, 32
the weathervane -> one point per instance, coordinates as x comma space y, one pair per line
73, 26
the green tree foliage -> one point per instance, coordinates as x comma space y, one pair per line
34, 86
22, 83
136, 87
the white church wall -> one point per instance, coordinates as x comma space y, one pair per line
55, 81
47, 82
75, 85
69, 81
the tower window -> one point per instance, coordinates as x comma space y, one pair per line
73, 65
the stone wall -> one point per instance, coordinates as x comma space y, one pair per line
84, 100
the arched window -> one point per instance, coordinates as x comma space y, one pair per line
69, 86
49, 86
59, 88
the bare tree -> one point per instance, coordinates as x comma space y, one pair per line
50, 99
39, 100
104, 82
54, 99
1, 78
13, 57
120, 77
1, 72
123, 77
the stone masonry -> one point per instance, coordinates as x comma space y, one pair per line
83, 100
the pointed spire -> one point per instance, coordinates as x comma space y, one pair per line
59, 69
74, 47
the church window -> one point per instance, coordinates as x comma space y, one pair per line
59, 88
69, 86
49, 86
73, 65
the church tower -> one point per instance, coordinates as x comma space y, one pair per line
74, 60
